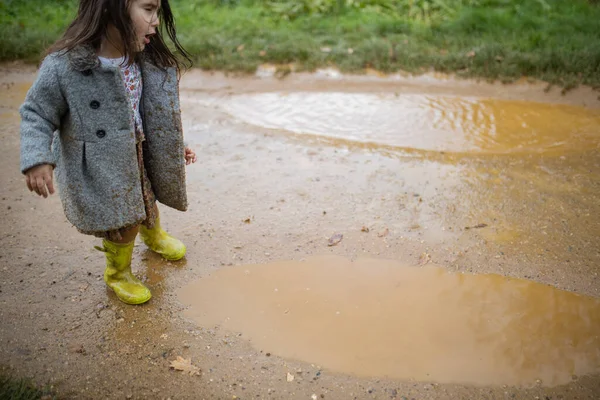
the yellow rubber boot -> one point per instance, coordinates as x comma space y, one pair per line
118, 276
162, 243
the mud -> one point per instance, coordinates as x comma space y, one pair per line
268, 190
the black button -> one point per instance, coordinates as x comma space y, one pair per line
101, 133
87, 72
95, 105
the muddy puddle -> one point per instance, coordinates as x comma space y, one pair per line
423, 122
384, 319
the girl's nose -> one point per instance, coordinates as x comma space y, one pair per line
155, 21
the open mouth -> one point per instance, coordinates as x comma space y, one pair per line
147, 39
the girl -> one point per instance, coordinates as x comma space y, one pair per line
104, 112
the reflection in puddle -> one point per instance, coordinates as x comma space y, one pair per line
380, 318
440, 123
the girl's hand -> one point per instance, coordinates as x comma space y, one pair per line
190, 156
39, 179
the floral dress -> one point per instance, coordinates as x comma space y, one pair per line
132, 80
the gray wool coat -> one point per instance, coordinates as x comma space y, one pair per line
77, 117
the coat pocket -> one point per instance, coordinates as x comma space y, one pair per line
112, 163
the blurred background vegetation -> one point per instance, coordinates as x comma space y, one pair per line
554, 40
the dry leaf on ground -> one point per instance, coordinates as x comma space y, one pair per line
365, 229
181, 364
335, 239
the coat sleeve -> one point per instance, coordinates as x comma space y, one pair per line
41, 114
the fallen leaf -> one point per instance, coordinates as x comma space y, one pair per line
424, 259
365, 229
248, 220
384, 232
335, 239
181, 364
290, 377
326, 49
476, 226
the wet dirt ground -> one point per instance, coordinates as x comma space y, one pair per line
421, 189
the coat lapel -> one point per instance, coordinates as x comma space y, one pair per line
83, 58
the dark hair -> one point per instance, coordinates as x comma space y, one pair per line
94, 17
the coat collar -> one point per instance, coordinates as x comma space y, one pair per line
84, 57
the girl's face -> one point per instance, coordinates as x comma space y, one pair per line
144, 15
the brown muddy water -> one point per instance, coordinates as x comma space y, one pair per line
420, 323
418, 122
448, 233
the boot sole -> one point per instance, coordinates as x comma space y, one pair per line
173, 258
131, 303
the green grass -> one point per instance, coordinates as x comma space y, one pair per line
557, 41
21, 389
